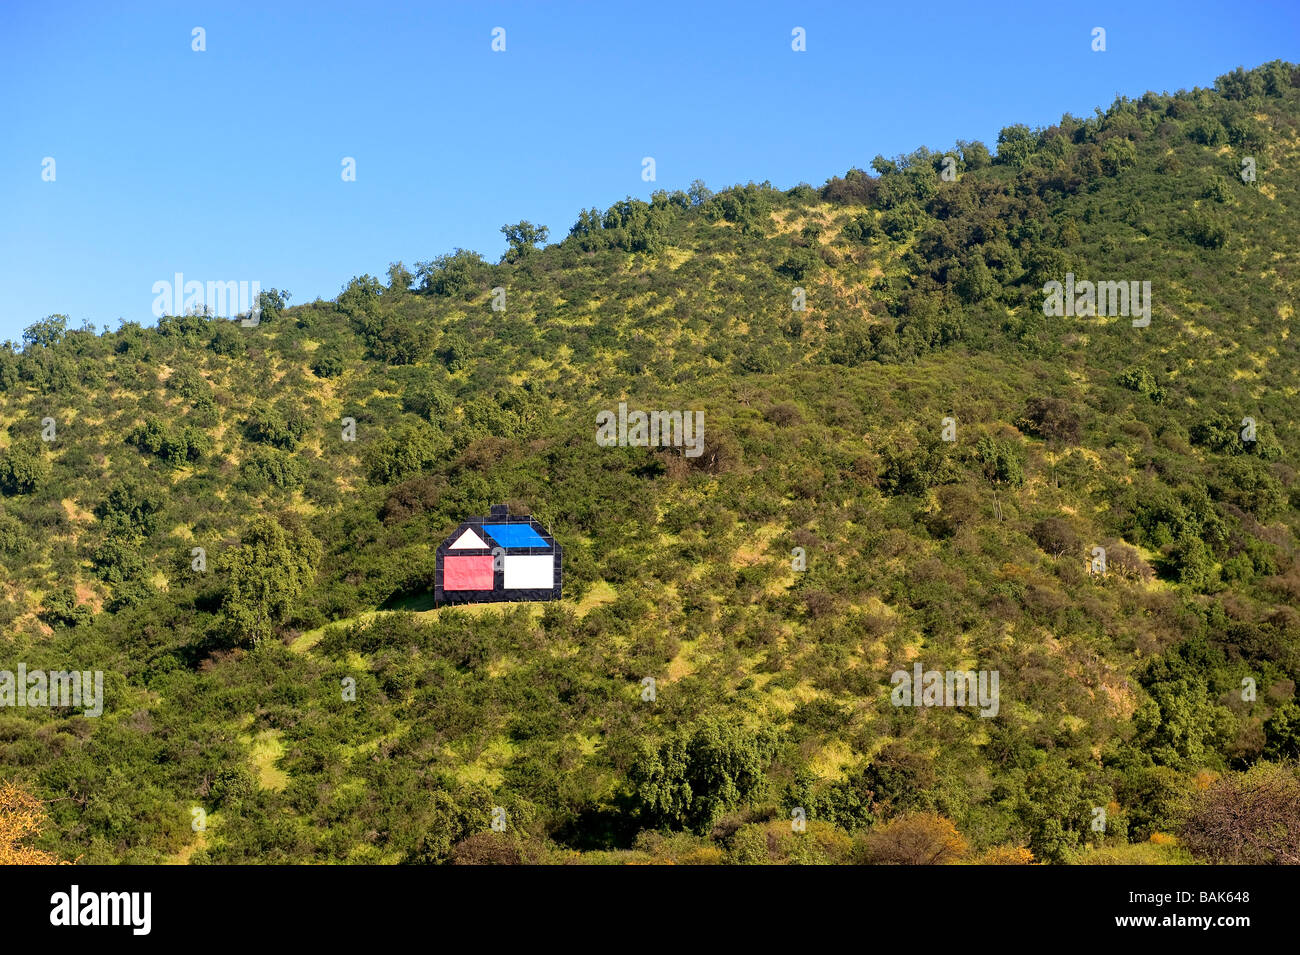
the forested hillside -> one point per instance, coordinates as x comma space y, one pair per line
294, 681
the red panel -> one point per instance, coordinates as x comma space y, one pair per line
467, 573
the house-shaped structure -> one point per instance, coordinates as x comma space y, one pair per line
497, 558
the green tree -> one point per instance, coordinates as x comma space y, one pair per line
282, 426
1192, 562
1053, 801
62, 609
265, 577
697, 775
271, 304
46, 332
23, 468
130, 508
1000, 462
412, 447
457, 273
1282, 732
523, 239
327, 364
1017, 145
974, 154
399, 277
976, 282
1181, 724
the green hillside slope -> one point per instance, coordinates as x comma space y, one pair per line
1124, 696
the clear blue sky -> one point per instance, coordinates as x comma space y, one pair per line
225, 164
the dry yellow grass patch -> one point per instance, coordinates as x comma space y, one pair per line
74, 511
87, 594
599, 594
681, 665
754, 550
266, 748
831, 760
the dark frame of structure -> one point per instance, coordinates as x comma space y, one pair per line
498, 593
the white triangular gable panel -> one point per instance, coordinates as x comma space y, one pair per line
467, 540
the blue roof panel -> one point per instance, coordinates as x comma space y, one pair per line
515, 535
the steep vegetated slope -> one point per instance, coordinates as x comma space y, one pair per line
1124, 696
